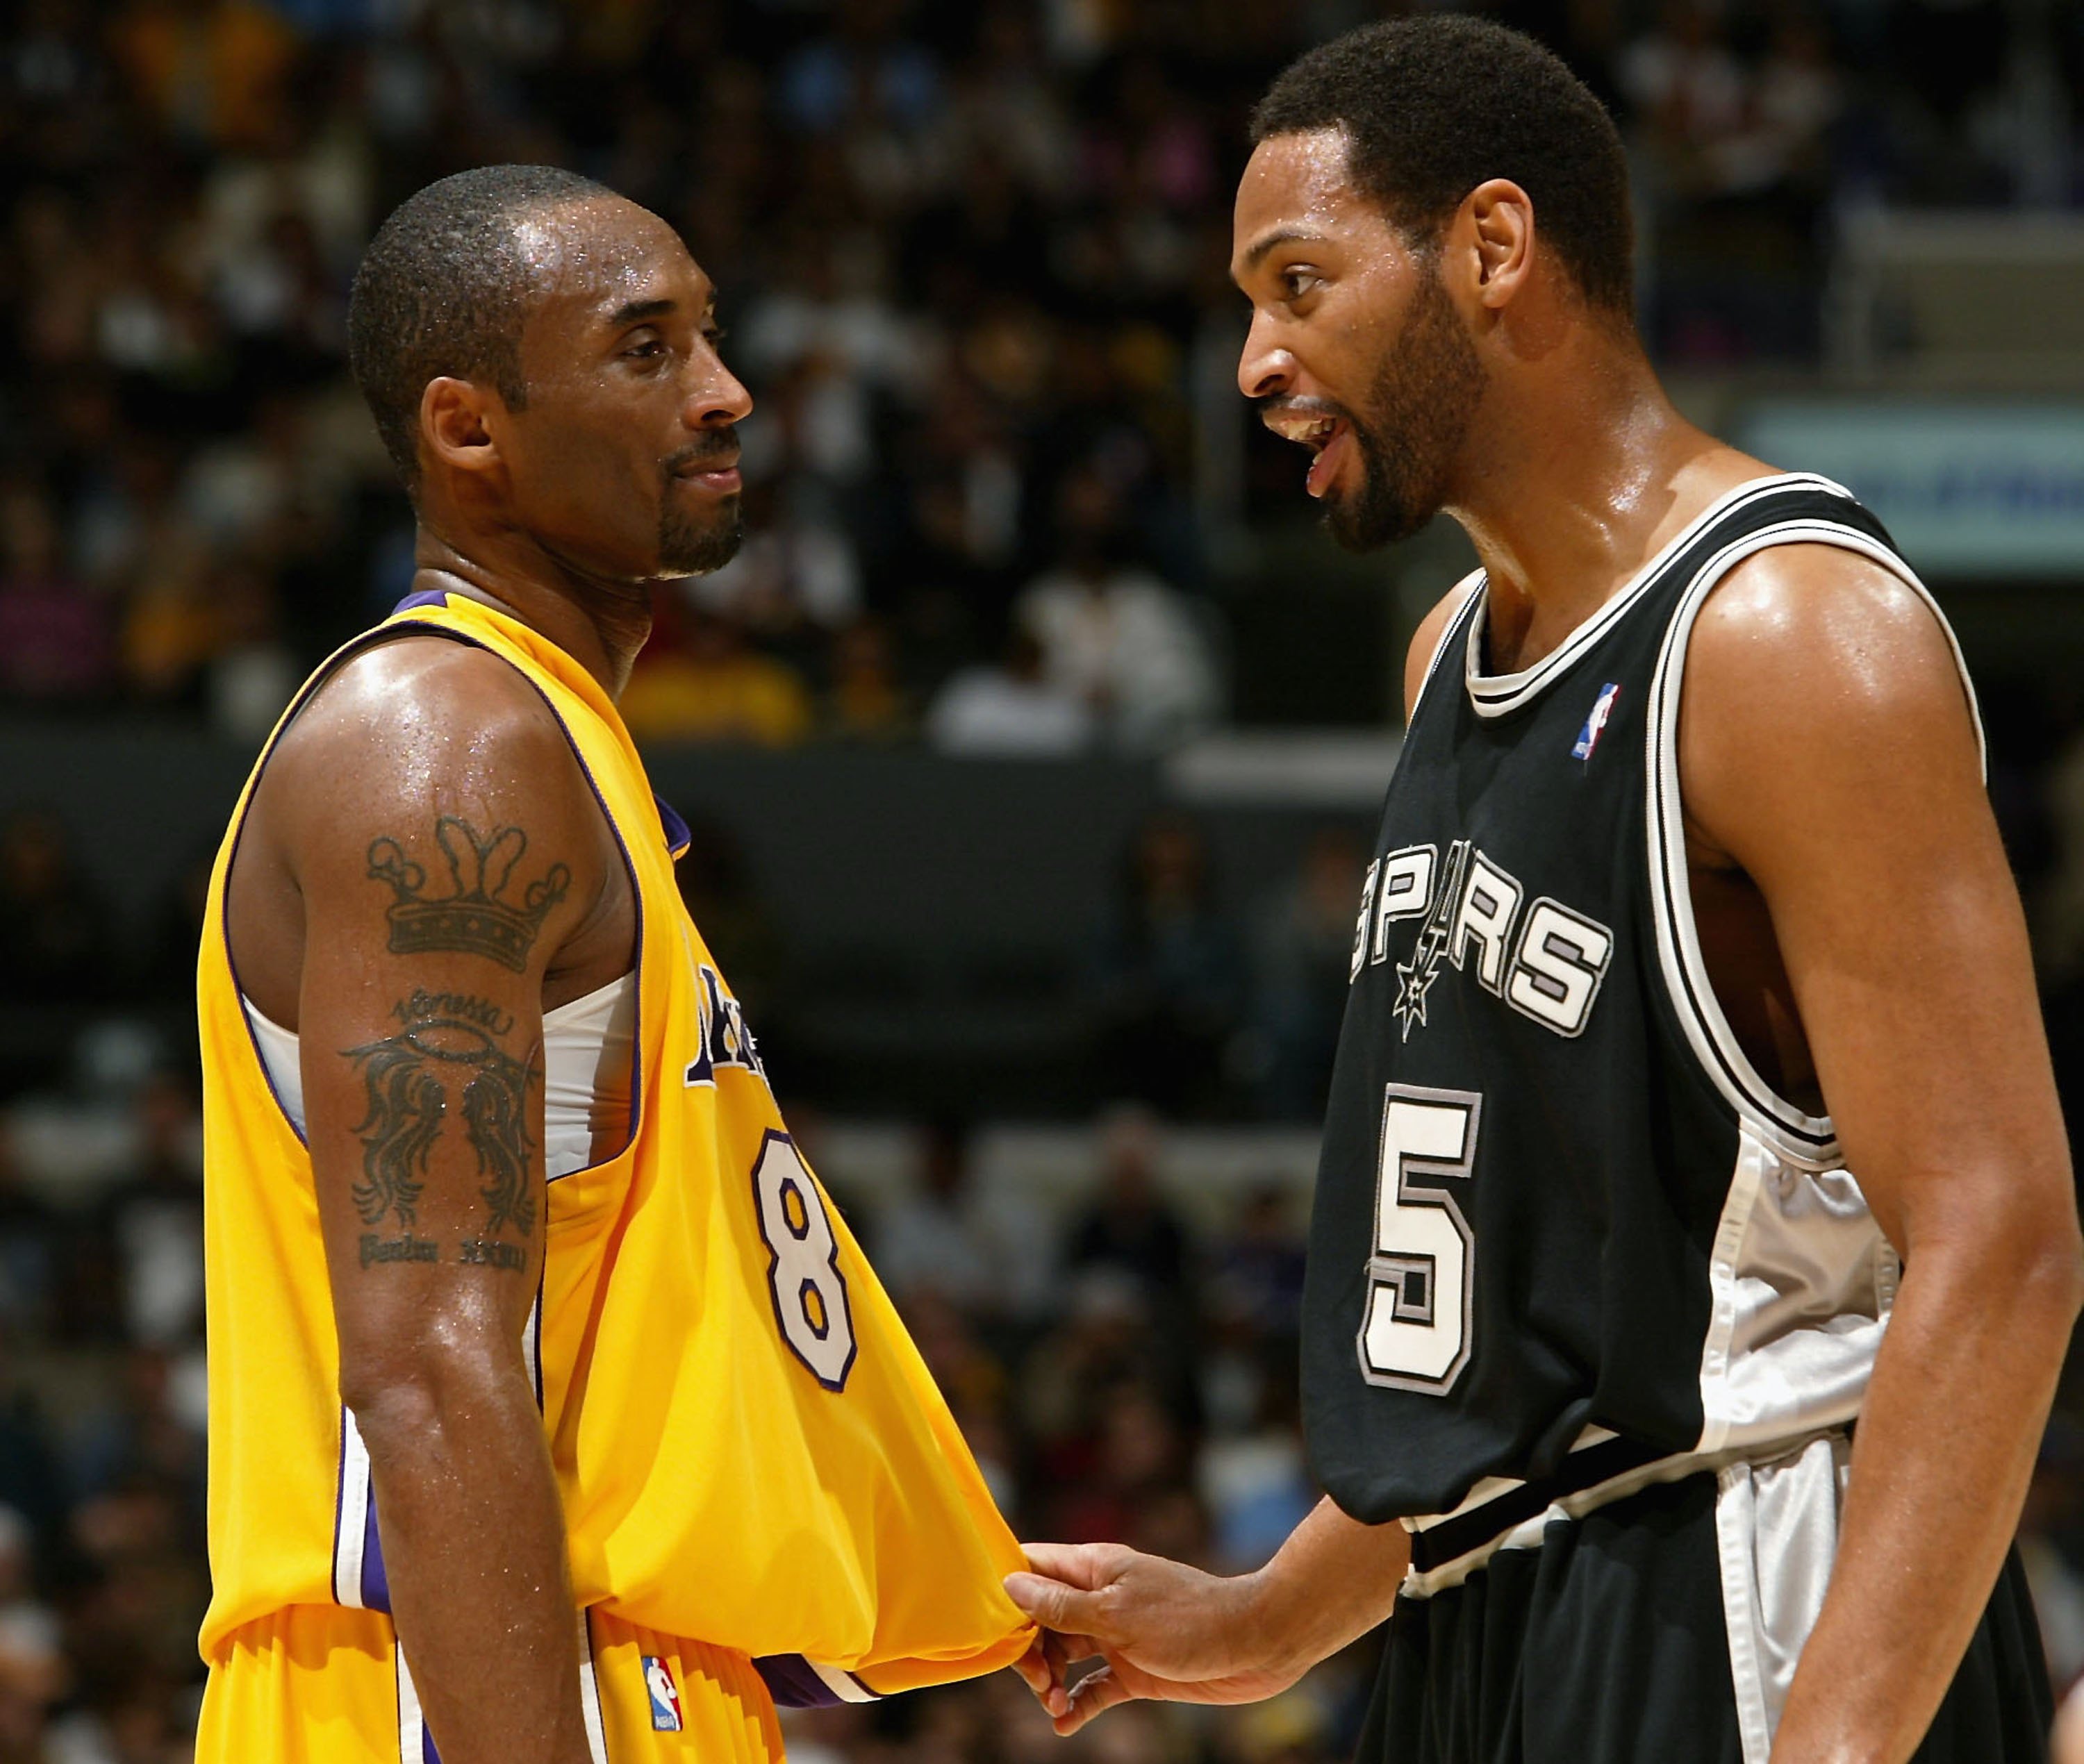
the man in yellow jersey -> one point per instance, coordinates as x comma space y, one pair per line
555, 1416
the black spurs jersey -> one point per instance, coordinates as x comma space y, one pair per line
1556, 1203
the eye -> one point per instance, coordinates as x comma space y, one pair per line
713, 333
1297, 282
645, 348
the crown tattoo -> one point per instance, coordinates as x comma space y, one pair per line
477, 919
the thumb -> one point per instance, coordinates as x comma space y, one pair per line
1052, 1604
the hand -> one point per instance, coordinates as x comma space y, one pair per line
1166, 1631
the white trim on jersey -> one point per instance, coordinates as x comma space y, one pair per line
351, 1516
842, 1683
596, 1731
412, 1722
1493, 695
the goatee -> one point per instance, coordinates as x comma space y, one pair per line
1420, 410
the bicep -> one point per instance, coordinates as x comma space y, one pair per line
1828, 747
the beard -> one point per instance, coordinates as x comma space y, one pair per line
689, 545
1418, 413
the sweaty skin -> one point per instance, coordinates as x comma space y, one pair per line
1860, 926
422, 766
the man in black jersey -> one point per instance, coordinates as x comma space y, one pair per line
1689, 906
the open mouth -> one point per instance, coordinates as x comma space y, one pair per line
1329, 438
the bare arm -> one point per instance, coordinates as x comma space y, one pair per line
1826, 748
414, 778
1172, 1632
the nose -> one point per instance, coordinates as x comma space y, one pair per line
1265, 368
718, 398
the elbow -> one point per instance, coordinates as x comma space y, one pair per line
409, 1403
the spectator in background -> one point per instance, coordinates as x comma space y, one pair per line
986, 1256
54, 940
55, 640
1010, 711
1115, 636
698, 680
1168, 976
1305, 949
1129, 1226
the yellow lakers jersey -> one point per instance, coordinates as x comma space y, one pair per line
749, 1449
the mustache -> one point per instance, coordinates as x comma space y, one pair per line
716, 453
1279, 405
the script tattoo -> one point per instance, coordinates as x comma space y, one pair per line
478, 916
445, 1051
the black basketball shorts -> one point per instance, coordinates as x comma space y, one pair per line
1605, 1636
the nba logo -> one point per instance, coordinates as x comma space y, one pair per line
1602, 708
665, 1695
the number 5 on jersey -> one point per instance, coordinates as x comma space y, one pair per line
1415, 1319
804, 1275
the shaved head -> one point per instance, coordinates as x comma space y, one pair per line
444, 289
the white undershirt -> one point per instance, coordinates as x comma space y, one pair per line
586, 1074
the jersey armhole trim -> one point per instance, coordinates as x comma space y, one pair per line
1470, 587
1804, 1139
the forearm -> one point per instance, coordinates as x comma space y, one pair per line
1941, 1458
1331, 1582
474, 1550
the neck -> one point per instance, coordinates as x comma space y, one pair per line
601, 623
1578, 469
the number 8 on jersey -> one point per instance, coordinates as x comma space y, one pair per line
803, 1273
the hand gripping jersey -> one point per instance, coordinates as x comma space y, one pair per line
1562, 1229
749, 1450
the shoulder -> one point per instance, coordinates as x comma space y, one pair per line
421, 722
1432, 631
1825, 627
1820, 685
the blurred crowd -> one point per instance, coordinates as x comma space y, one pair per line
972, 264
971, 259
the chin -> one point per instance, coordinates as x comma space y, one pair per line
686, 551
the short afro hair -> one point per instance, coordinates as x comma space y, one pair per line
1432, 106
443, 289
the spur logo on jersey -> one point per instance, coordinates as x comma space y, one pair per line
664, 1693
1546, 962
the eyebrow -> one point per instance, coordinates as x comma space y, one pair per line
637, 311
1285, 235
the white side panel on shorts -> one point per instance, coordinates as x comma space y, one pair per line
1776, 1535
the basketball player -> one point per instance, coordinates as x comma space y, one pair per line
554, 1414
1688, 908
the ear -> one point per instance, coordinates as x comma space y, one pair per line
1497, 220
457, 421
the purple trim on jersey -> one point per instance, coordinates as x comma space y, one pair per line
339, 1491
678, 836
794, 1684
426, 597
375, 1578
428, 1754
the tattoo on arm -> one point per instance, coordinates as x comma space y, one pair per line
445, 1051
476, 917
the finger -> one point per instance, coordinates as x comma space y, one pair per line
1096, 1696
1086, 1566
1052, 1604
1035, 1671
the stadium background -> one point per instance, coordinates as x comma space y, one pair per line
1034, 741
